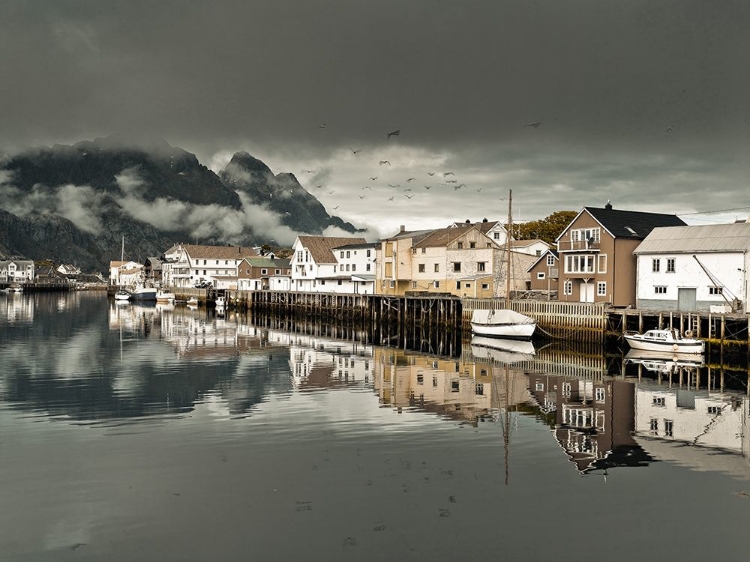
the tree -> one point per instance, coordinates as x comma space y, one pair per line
547, 229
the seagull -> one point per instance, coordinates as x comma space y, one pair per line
390, 198
336, 207
410, 180
407, 189
373, 178
430, 173
394, 185
446, 174
362, 196
408, 196
309, 171
457, 187
479, 190
394, 134
318, 186
427, 186
322, 125
330, 192
367, 187
451, 181
355, 151
384, 162
535, 124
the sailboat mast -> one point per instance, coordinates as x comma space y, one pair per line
507, 247
122, 252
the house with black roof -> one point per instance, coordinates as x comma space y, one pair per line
595, 250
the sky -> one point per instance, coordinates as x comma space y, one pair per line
644, 103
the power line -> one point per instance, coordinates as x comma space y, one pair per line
712, 212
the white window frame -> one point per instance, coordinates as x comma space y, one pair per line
540, 275
601, 263
601, 288
550, 260
568, 287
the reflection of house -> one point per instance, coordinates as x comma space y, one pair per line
691, 268
461, 390
596, 253
593, 420
264, 274
698, 417
320, 362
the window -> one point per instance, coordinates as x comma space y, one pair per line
655, 265
342, 254
348, 254
354, 267
437, 267
496, 235
654, 426
460, 245
479, 389
539, 387
481, 266
579, 264
568, 287
599, 394
421, 268
715, 290
668, 428
307, 255
347, 267
485, 286
540, 275
467, 285
368, 267
472, 244
659, 401
334, 268
322, 281
602, 263
368, 253
670, 265
413, 284
660, 289
339, 282
456, 266
434, 380
454, 385
458, 284
264, 272
550, 260
714, 410
277, 272
566, 388
601, 288
420, 377
424, 250
437, 284
299, 255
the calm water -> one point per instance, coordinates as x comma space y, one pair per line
164, 433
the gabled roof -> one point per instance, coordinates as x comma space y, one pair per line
218, 252
630, 224
269, 262
543, 257
484, 226
320, 246
442, 237
526, 243
415, 234
365, 246
733, 237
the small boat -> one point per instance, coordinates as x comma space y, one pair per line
122, 295
502, 323
192, 301
15, 288
163, 296
669, 340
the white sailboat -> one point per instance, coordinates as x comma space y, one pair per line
504, 322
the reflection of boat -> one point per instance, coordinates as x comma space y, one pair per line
504, 322
221, 302
664, 340
192, 301
141, 293
502, 350
122, 295
163, 296
664, 361
15, 288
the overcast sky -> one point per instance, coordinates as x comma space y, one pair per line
644, 103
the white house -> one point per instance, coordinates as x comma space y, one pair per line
359, 261
16, 271
694, 268
315, 267
189, 265
533, 247
124, 273
264, 274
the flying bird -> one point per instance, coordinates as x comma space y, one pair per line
394, 185
384, 162
446, 174
451, 181
336, 207
390, 198
367, 187
407, 189
430, 173
427, 186
309, 171
479, 190
535, 124
355, 151
330, 192
318, 186
322, 125
394, 134
408, 196
410, 180
362, 196
373, 178
457, 187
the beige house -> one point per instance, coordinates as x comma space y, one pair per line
393, 271
596, 254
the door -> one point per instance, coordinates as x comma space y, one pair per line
587, 292
686, 301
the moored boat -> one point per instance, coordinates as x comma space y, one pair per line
122, 295
163, 296
142, 293
192, 301
669, 340
502, 323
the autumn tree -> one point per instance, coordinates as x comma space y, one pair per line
547, 229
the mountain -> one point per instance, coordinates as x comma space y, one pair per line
74, 204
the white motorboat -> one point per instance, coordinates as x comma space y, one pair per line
669, 340
122, 295
502, 323
192, 301
506, 351
163, 296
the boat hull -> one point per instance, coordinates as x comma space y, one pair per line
144, 295
507, 331
682, 346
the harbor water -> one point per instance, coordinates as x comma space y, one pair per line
171, 433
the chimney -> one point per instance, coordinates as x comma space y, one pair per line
608, 206
402, 228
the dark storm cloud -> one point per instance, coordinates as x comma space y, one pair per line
625, 91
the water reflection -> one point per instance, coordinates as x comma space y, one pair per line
81, 358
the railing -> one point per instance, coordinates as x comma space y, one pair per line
578, 245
